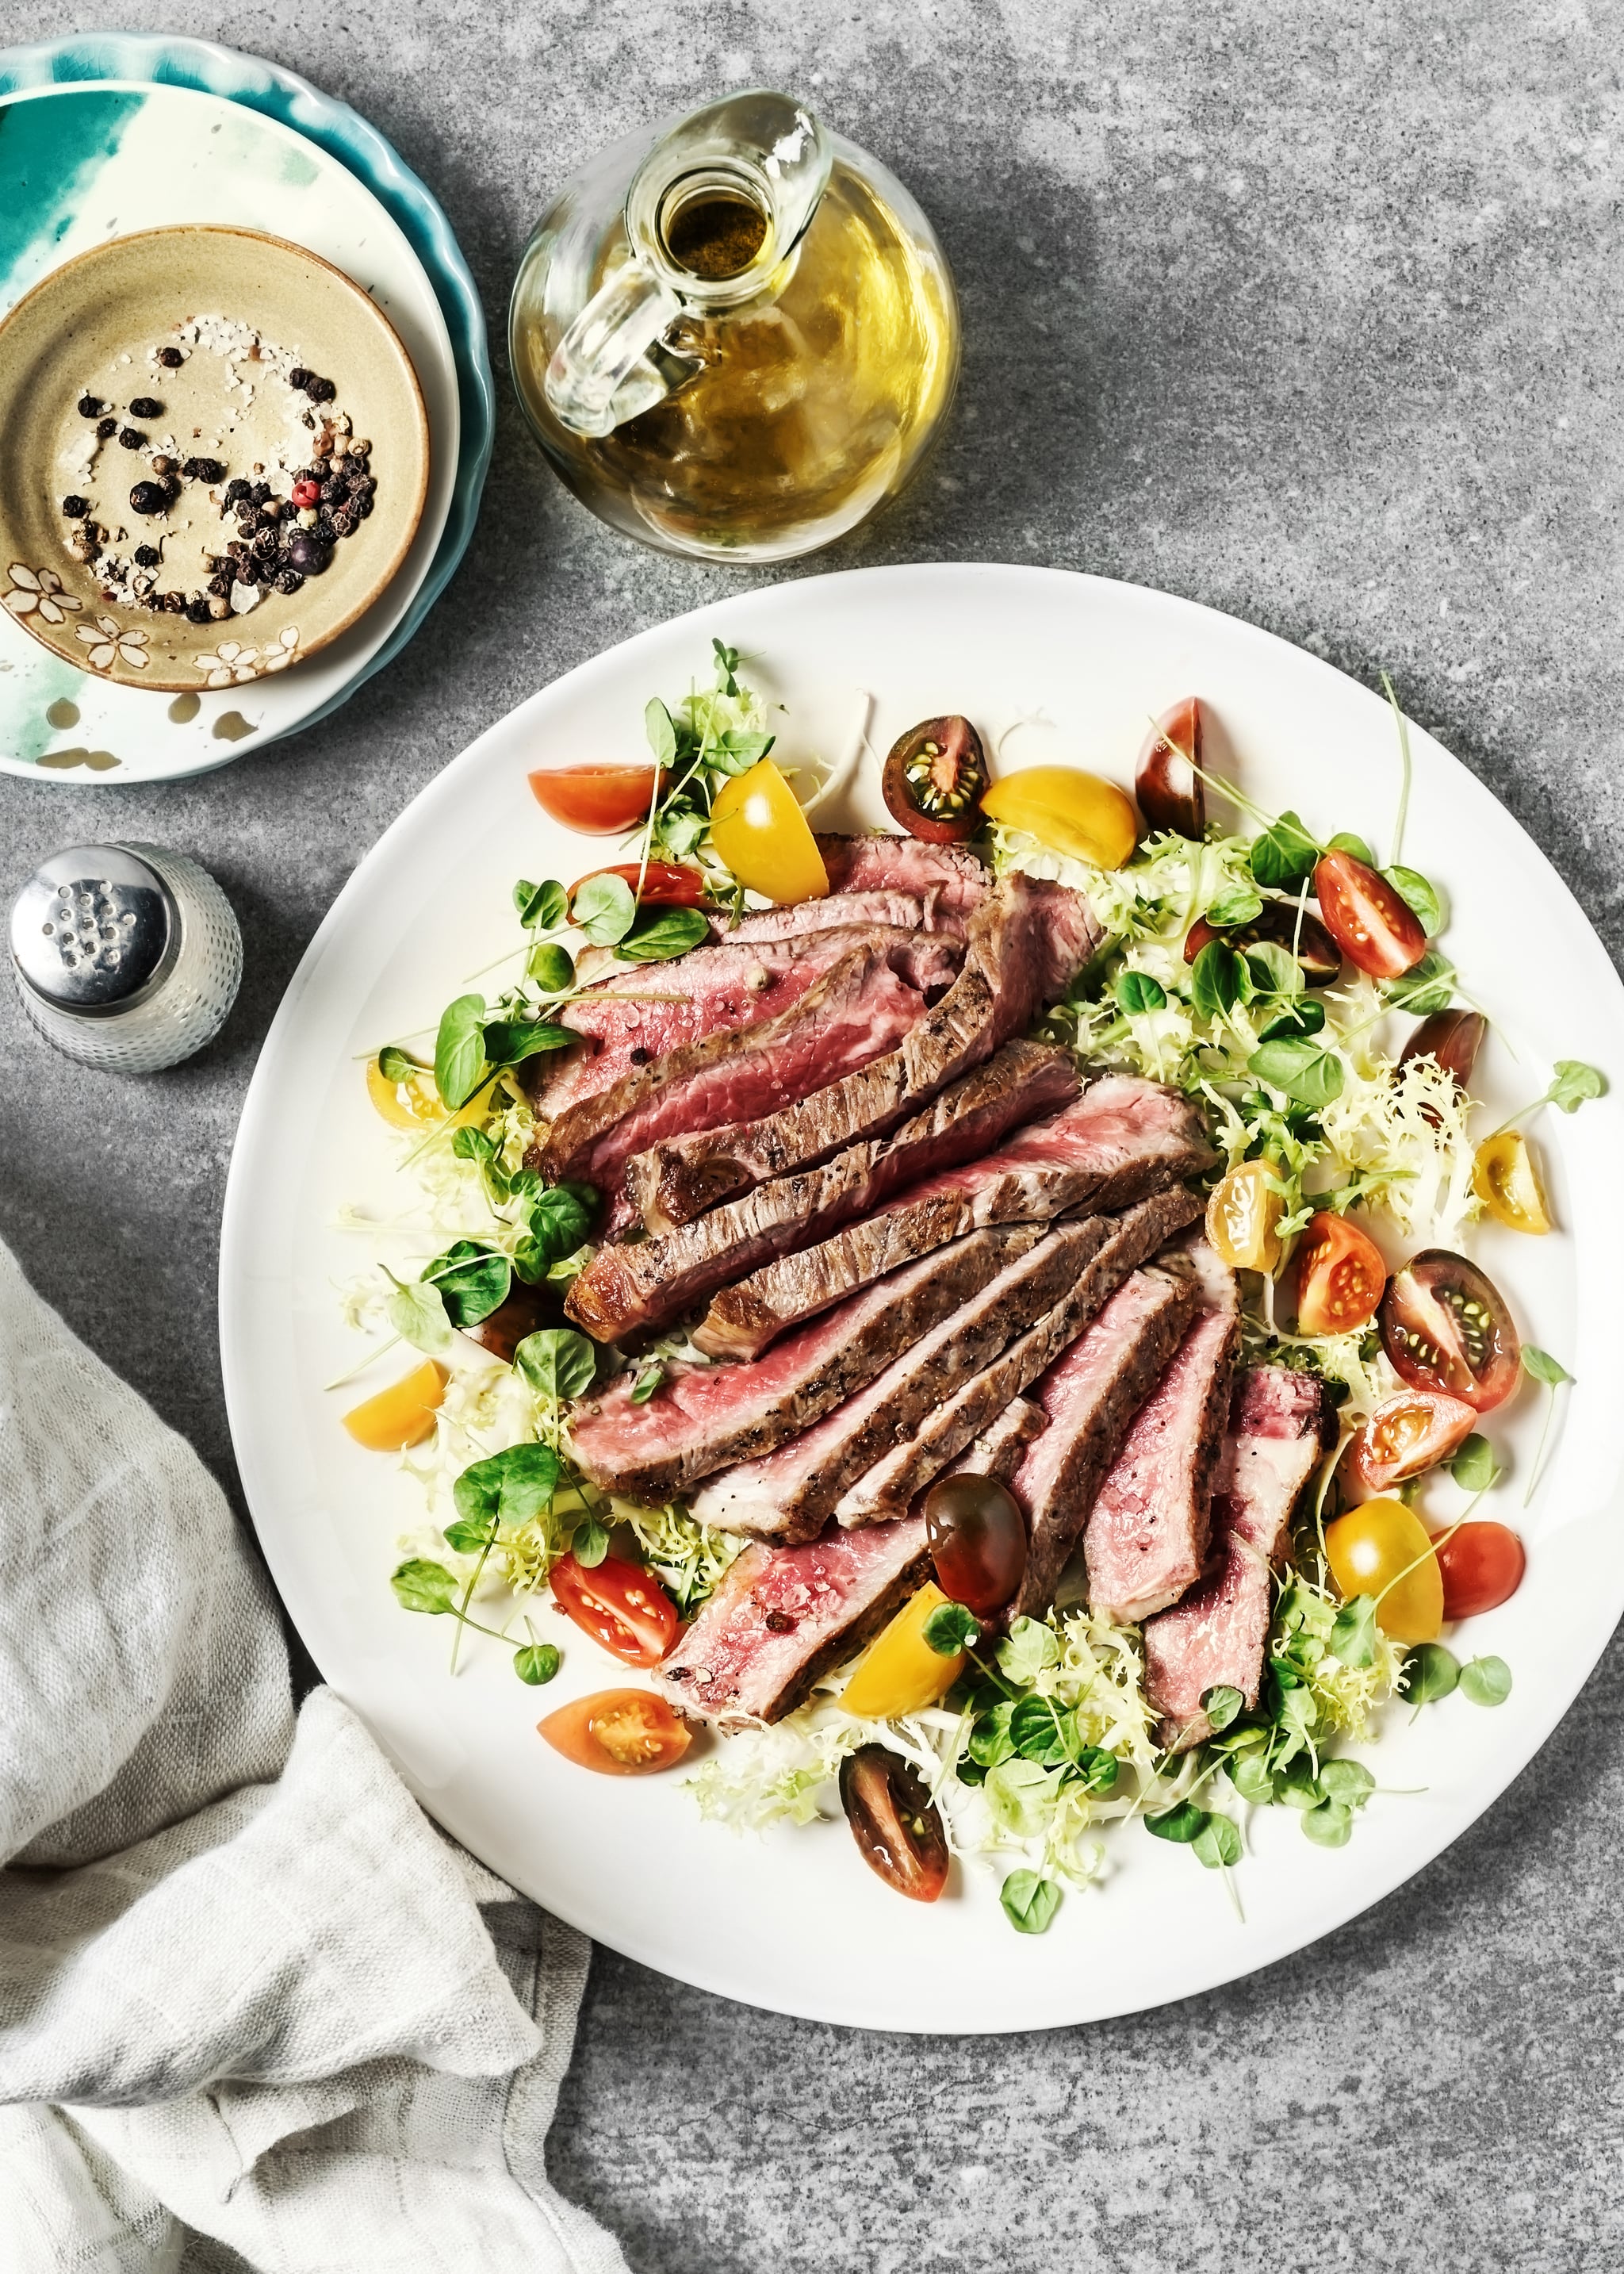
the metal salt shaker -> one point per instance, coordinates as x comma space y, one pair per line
127, 957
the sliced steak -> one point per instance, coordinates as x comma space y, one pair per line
934, 910
1121, 1139
1215, 1636
626, 1288
1090, 1396
1025, 943
999, 1451
864, 1004
703, 1417
784, 1616
1107, 1249
960, 878
1145, 1539
791, 1493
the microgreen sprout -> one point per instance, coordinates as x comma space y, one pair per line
1540, 1366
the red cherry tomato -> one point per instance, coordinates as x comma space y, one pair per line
618, 1605
1405, 1434
1170, 792
1374, 925
665, 883
1483, 1566
617, 1733
978, 1540
894, 1822
1340, 1277
934, 779
597, 799
1445, 1326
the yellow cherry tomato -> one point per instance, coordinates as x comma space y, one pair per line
1242, 1216
900, 1672
402, 1415
1506, 1178
760, 831
411, 1104
1070, 811
1367, 1550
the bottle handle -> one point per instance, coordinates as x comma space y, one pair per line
601, 373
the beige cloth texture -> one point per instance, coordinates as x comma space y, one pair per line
255, 2011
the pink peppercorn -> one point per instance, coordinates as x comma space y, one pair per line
306, 494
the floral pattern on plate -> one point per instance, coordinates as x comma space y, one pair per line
111, 642
39, 591
234, 665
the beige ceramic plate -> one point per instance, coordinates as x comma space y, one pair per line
241, 311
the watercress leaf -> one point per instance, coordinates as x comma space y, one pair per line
1428, 987
421, 1586
1330, 1825
1020, 1795
1275, 969
1218, 1843
1474, 1467
647, 1382
949, 1629
605, 909
469, 1534
657, 725
1137, 992
1351, 1783
1345, 841
727, 665
1298, 1787
1184, 1822
1098, 1769
589, 1544
513, 1486
536, 1662
1284, 853
473, 1145
1543, 1368
418, 1313
1297, 1021
660, 935
1575, 1081
1353, 1631
680, 830
1420, 897
1029, 1902
473, 1281
1041, 1731
542, 907
990, 1741
1486, 1681
558, 1364
1304, 1071
745, 746
459, 1050
1027, 1650
1236, 904
559, 1217
1221, 1705
1430, 1671
551, 968
509, 1041
396, 1064
1219, 980
1252, 1778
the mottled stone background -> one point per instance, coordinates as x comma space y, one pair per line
1311, 313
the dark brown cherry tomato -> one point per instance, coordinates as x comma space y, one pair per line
1452, 1037
520, 1312
1483, 1566
665, 883
894, 1823
617, 1733
978, 1540
1405, 1434
1306, 937
1340, 1277
620, 1604
1170, 792
934, 779
1373, 923
1445, 1326
599, 800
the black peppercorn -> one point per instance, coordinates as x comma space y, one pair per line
198, 612
298, 376
90, 406
106, 428
344, 522
170, 358
308, 554
236, 491
289, 582
129, 440
75, 508
203, 469
147, 556
221, 585
259, 493
149, 497
363, 505
263, 544
359, 462
333, 489
319, 390
175, 603
146, 406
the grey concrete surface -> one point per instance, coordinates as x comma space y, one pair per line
1314, 314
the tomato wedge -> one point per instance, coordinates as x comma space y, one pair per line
1373, 924
617, 1733
618, 1605
665, 883
1446, 1327
599, 800
1405, 1434
1483, 1566
894, 1822
1340, 1277
1170, 792
1506, 1178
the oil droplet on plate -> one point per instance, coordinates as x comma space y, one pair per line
63, 713
186, 707
231, 726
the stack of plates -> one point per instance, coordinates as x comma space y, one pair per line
102, 136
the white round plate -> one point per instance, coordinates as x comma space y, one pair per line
123, 157
794, 1921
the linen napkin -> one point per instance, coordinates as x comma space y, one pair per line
254, 2010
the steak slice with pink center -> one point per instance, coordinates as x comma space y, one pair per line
1145, 1539
782, 1616
1215, 1638
1121, 1139
703, 1418
1027, 943
626, 1288
959, 879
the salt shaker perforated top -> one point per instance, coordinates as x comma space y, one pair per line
127, 957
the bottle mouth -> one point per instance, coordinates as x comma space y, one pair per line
714, 226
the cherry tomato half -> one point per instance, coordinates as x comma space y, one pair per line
599, 801
1445, 1326
1242, 1216
1452, 1037
617, 1733
1506, 1178
1373, 923
1303, 937
934, 779
1340, 1277
978, 1540
1483, 1566
618, 1605
1170, 792
1372, 1550
665, 883
1405, 1434
760, 831
1072, 812
896, 1827
900, 1672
